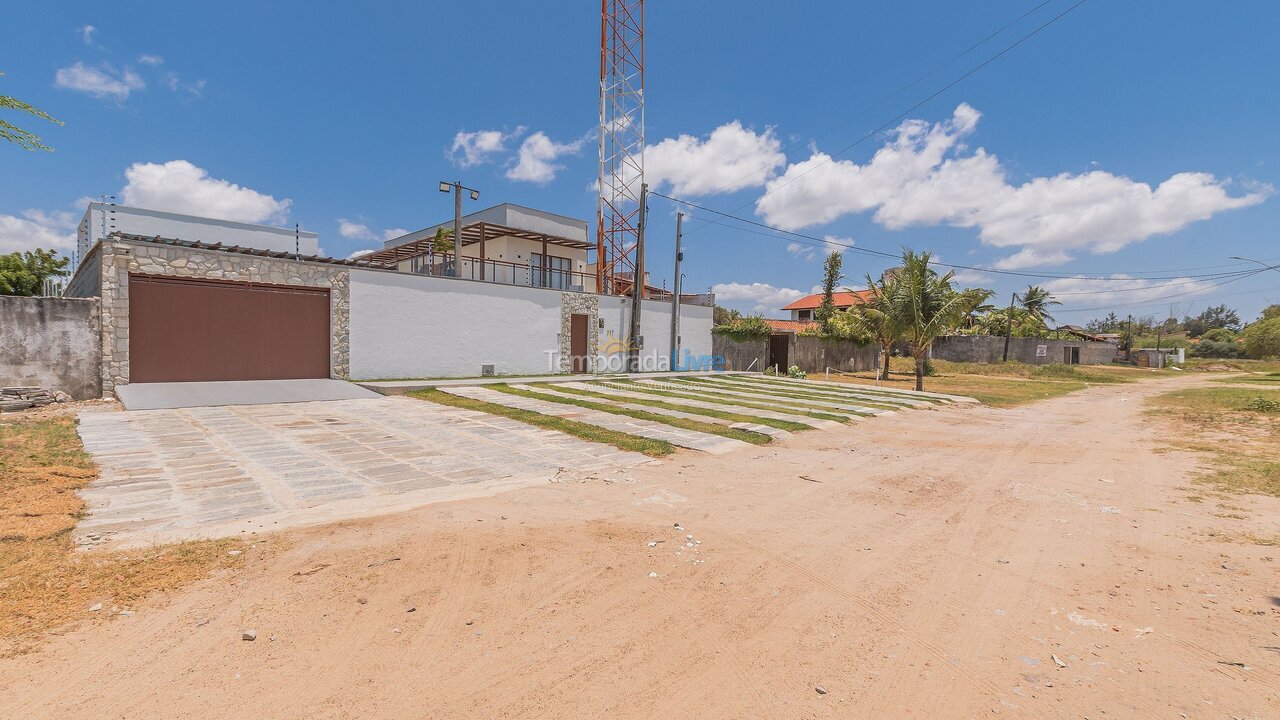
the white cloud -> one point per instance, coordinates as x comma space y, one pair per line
1122, 289
86, 34
99, 82
480, 146
800, 250
37, 229
358, 253
925, 175
729, 159
353, 230
147, 59
359, 231
755, 297
536, 159
834, 243
179, 186
830, 244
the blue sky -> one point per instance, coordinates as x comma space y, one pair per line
1133, 138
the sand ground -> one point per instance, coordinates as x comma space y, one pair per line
1042, 562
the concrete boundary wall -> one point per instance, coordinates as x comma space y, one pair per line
811, 354
990, 349
419, 326
52, 343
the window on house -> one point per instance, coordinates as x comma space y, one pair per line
804, 315
557, 273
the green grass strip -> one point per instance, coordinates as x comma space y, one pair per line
845, 388
824, 391
754, 438
620, 440
777, 404
754, 387
745, 402
709, 412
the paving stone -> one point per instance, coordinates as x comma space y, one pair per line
195, 467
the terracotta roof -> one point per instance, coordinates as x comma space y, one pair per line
793, 326
842, 300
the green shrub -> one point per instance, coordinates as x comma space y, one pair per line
1262, 339
795, 372
745, 328
1213, 349
1218, 335
1261, 404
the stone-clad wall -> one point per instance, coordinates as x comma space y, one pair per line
572, 303
121, 258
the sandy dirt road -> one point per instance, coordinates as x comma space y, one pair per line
932, 564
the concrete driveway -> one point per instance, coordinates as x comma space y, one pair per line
214, 471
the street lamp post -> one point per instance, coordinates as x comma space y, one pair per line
457, 187
1268, 267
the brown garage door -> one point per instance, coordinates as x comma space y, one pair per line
184, 330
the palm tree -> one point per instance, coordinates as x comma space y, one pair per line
24, 139
975, 300
1037, 301
879, 316
927, 304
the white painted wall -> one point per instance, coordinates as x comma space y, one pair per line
412, 326
655, 328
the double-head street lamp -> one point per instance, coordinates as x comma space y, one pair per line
457, 188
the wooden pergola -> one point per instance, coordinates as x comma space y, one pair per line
471, 234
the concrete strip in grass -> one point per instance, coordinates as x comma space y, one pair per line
725, 405
780, 396
622, 403
717, 393
691, 439
873, 399
901, 391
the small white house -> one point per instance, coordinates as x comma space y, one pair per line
102, 219
507, 244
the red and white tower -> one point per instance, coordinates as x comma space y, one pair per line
621, 143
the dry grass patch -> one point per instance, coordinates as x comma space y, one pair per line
1243, 442
44, 581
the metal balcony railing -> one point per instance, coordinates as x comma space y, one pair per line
502, 272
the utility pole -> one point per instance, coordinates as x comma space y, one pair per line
1129, 343
675, 301
457, 187
1008, 331
637, 284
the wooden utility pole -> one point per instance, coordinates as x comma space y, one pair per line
1008, 330
675, 301
637, 285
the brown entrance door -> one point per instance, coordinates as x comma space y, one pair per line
191, 330
778, 347
578, 343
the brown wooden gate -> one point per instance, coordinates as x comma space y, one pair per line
779, 346
182, 329
578, 343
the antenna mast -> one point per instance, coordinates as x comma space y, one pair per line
621, 137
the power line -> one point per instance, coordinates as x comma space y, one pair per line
911, 109
1162, 300
821, 242
890, 96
